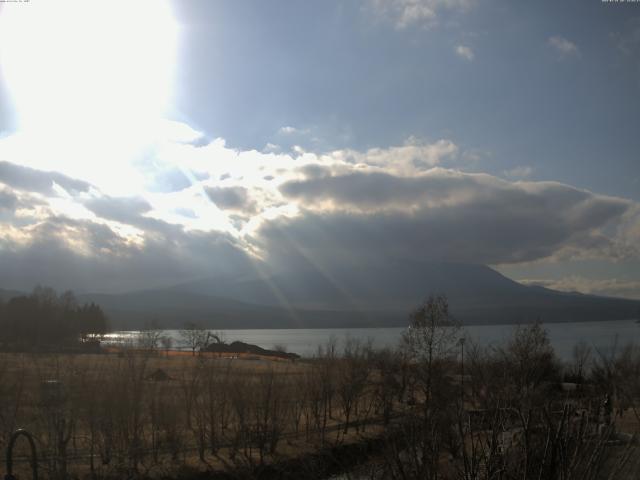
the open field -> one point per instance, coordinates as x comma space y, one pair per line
140, 414
421, 411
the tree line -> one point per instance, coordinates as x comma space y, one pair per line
44, 318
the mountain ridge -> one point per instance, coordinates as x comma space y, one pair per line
382, 296
376, 297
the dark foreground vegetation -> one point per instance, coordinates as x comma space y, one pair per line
46, 320
434, 408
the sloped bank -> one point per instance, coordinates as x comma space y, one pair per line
247, 348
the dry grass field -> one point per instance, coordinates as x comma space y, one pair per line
136, 413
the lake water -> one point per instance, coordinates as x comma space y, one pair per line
305, 342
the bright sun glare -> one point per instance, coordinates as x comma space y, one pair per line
90, 82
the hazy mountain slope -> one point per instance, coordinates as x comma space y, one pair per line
396, 286
172, 309
377, 296
477, 294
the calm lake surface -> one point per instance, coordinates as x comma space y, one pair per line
601, 335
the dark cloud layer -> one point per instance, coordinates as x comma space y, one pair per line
87, 256
131, 211
344, 221
365, 189
29, 179
375, 217
117, 208
8, 200
369, 190
231, 198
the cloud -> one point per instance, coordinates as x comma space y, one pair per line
368, 191
465, 52
109, 207
405, 13
401, 203
138, 213
522, 171
613, 287
563, 46
126, 210
628, 233
32, 180
92, 256
442, 215
413, 157
8, 200
271, 148
171, 179
231, 198
288, 130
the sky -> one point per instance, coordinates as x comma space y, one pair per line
151, 143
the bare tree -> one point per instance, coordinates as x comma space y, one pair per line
150, 336
194, 336
387, 383
581, 355
268, 413
352, 378
431, 337
529, 359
